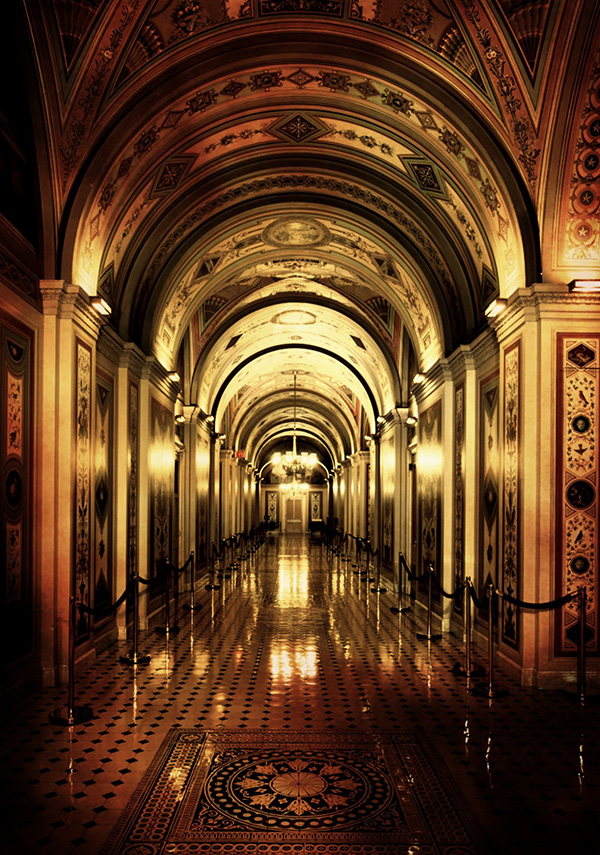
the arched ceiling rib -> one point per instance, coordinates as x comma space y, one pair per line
376, 167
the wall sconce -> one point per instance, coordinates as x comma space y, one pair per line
411, 420
584, 286
101, 305
210, 418
418, 378
174, 376
496, 307
180, 419
380, 420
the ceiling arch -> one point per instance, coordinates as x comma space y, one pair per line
228, 170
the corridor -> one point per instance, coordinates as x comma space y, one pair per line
294, 642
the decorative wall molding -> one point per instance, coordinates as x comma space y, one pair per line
103, 490
429, 470
577, 481
133, 477
83, 461
161, 464
488, 485
16, 518
511, 505
459, 491
18, 278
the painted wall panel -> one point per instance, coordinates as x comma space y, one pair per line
577, 506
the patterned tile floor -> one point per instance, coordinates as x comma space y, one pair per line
295, 641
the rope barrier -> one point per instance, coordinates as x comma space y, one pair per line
444, 593
551, 604
476, 601
104, 611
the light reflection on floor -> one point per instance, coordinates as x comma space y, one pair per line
297, 641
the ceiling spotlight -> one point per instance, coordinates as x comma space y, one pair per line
101, 305
496, 307
585, 286
174, 376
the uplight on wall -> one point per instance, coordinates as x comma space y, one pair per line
101, 305
585, 286
496, 307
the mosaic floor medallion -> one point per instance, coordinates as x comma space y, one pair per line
294, 792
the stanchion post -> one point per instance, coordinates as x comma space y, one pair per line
400, 609
581, 645
73, 714
467, 608
134, 658
491, 640
192, 580
175, 626
429, 636
166, 628
490, 690
468, 670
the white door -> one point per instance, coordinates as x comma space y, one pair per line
294, 515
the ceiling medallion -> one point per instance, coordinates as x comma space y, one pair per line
296, 231
294, 317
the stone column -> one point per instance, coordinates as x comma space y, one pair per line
66, 512
188, 475
549, 478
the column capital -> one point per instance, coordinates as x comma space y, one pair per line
70, 302
191, 412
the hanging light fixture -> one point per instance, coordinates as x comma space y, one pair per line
294, 465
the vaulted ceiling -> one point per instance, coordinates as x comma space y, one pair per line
264, 189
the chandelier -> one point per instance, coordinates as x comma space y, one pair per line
295, 466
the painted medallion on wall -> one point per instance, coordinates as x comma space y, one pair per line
577, 506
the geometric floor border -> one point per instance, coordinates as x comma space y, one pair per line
212, 792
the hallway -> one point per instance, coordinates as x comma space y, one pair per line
295, 642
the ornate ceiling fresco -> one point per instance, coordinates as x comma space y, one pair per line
268, 186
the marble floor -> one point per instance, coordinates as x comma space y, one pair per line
296, 641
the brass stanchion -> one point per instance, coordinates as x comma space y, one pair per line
378, 589
167, 629
400, 609
191, 606
490, 690
581, 645
468, 670
134, 658
73, 714
429, 635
